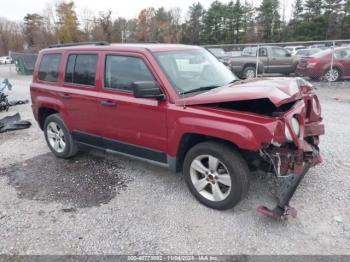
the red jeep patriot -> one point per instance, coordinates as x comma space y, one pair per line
178, 106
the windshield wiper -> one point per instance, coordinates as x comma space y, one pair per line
233, 81
203, 88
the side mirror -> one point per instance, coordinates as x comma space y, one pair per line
147, 89
288, 54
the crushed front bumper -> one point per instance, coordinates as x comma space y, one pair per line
292, 161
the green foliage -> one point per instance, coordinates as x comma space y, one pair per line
269, 20
193, 28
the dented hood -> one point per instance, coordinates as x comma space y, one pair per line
278, 90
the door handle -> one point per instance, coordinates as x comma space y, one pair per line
108, 103
65, 96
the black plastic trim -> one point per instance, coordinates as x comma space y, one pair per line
121, 147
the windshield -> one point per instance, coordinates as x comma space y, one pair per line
190, 70
217, 51
322, 53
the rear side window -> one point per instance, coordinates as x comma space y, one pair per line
48, 70
81, 69
122, 71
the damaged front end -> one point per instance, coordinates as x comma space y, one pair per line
290, 158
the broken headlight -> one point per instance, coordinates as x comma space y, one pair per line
316, 105
295, 127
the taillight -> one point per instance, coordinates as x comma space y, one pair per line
312, 62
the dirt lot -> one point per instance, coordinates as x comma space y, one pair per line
95, 205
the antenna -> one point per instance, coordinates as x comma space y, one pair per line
183, 100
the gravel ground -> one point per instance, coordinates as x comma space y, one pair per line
113, 205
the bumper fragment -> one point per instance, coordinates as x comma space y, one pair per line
285, 191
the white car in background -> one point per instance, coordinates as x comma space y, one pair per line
5, 60
294, 49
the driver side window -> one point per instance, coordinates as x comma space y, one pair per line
122, 71
279, 52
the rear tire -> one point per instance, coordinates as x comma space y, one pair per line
216, 174
249, 72
58, 137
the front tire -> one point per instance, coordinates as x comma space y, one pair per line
332, 75
58, 137
216, 174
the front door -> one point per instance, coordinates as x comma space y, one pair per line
280, 61
135, 126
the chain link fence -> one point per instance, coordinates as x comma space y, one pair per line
321, 61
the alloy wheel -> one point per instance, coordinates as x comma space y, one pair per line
332, 75
56, 137
210, 178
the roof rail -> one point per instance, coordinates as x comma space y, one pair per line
78, 44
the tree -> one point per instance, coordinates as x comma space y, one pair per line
145, 29
269, 20
193, 28
67, 23
248, 23
175, 26
32, 28
162, 26
119, 30
345, 25
103, 26
213, 23
332, 13
313, 25
11, 37
87, 24
313, 8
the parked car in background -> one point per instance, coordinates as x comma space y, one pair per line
179, 107
220, 54
319, 65
272, 59
307, 52
5, 60
293, 49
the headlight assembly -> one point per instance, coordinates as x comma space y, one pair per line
295, 128
316, 106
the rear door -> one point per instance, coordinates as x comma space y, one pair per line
80, 94
281, 61
135, 126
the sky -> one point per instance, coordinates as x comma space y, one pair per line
17, 9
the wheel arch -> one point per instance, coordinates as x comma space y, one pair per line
189, 140
43, 113
253, 65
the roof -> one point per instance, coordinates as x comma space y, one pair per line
127, 47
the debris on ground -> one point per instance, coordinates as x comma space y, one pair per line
14, 122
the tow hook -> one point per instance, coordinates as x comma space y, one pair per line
278, 213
